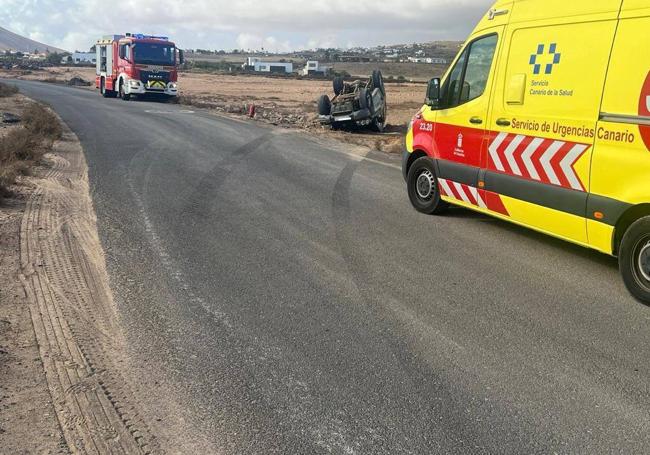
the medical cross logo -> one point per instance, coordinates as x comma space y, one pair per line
545, 59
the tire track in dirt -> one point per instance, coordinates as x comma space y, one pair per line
64, 277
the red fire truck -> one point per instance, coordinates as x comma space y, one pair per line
136, 64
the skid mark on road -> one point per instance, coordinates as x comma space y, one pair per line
166, 260
258, 354
206, 185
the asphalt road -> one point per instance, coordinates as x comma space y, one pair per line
280, 295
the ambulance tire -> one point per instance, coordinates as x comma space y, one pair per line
634, 259
423, 189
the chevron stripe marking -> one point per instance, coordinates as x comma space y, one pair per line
526, 157
546, 158
567, 166
494, 150
510, 151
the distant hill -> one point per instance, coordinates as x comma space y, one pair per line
14, 42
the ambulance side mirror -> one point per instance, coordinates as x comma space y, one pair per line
433, 93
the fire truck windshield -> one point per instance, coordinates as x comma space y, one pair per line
153, 54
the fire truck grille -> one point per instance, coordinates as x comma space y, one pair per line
146, 76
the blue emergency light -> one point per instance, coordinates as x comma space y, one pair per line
142, 36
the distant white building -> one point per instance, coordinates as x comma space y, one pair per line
83, 57
273, 67
314, 67
428, 60
250, 61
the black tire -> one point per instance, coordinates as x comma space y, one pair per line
634, 259
423, 189
339, 85
379, 124
102, 89
365, 100
125, 96
324, 105
378, 81
380, 121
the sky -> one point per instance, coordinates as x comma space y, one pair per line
275, 25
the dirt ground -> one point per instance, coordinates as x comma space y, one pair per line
62, 385
28, 422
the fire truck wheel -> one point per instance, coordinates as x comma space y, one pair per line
634, 259
106, 93
125, 96
423, 189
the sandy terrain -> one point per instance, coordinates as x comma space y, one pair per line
28, 421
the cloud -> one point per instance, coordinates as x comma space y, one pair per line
249, 41
285, 25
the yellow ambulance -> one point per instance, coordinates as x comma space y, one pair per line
543, 120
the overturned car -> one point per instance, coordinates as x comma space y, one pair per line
355, 104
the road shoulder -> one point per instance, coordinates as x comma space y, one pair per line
63, 388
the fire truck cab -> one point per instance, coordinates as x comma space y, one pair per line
136, 64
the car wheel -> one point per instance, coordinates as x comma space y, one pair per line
423, 189
365, 100
379, 124
339, 85
380, 121
125, 96
324, 105
378, 81
634, 259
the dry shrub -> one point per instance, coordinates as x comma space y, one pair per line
22, 147
7, 90
19, 150
21, 144
41, 122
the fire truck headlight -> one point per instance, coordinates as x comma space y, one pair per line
171, 85
134, 83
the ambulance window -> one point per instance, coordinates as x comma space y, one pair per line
450, 89
468, 79
479, 64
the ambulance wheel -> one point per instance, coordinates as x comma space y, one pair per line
423, 189
125, 96
634, 259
